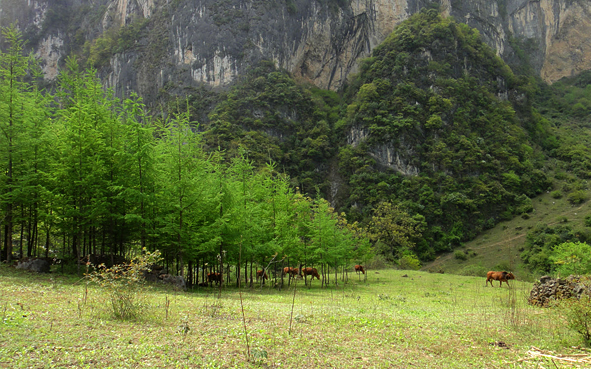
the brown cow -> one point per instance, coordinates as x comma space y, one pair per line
262, 273
359, 268
214, 277
498, 276
311, 271
291, 271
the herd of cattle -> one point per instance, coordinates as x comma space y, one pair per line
287, 271
215, 277
313, 272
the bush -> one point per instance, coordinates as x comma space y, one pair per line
588, 221
503, 265
525, 205
125, 285
577, 312
571, 258
556, 194
409, 262
460, 255
377, 262
525, 216
474, 270
578, 197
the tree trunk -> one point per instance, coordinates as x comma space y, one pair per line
47, 241
251, 279
22, 239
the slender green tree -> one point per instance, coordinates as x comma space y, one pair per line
22, 123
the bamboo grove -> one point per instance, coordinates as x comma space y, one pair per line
87, 173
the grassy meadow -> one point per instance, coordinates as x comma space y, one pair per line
393, 319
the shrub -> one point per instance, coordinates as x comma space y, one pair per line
503, 265
474, 270
571, 258
577, 312
525, 216
460, 255
525, 205
124, 284
588, 221
409, 262
556, 194
378, 262
578, 197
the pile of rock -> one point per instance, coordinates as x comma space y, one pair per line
550, 289
159, 274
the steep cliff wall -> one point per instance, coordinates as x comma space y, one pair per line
186, 42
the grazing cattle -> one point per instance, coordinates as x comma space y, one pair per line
262, 273
214, 277
311, 271
291, 271
359, 268
498, 276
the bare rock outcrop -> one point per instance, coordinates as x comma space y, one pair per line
183, 43
549, 289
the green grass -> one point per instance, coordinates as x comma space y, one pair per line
500, 247
423, 320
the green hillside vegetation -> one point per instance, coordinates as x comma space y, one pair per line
452, 143
527, 244
436, 95
272, 118
441, 99
501, 247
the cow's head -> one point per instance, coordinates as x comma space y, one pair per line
509, 276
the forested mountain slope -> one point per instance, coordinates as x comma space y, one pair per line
433, 140
435, 122
442, 125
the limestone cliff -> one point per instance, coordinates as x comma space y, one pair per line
187, 42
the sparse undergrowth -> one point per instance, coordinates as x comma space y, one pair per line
421, 320
124, 285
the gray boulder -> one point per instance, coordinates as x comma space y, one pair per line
176, 281
35, 265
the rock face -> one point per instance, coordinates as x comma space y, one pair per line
184, 43
550, 289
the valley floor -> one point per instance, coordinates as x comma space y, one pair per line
394, 319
